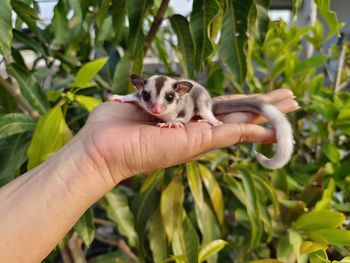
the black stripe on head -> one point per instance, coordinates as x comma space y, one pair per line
159, 83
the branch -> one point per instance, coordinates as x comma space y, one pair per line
74, 245
156, 24
118, 242
104, 222
21, 101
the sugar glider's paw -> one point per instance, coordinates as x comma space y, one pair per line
213, 123
175, 125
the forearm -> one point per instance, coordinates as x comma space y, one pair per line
40, 207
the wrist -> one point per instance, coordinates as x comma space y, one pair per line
80, 165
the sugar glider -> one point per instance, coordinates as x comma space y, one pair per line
177, 101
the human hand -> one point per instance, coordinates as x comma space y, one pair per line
124, 140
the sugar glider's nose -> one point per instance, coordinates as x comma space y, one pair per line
156, 109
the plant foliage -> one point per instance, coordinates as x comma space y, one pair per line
224, 207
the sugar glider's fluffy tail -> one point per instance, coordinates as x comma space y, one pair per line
283, 129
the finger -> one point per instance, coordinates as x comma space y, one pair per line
228, 134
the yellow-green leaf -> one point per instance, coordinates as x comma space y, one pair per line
89, 103
211, 249
185, 241
50, 134
195, 183
311, 221
157, 237
85, 227
214, 191
116, 205
266, 261
88, 72
334, 236
309, 247
171, 206
5, 27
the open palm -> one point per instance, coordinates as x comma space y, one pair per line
123, 138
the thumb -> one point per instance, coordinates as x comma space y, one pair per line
228, 134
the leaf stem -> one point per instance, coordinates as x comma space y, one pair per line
155, 25
117, 241
15, 92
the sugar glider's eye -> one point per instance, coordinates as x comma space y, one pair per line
146, 96
169, 97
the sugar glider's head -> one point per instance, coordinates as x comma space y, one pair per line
160, 95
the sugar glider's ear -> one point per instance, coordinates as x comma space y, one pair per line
137, 81
183, 87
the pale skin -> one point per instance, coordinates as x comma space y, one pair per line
118, 141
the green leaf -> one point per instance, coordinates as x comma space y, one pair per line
14, 123
208, 226
50, 134
109, 257
157, 237
30, 87
334, 236
312, 63
89, 103
309, 247
266, 261
146, 201
295, 240
85, 227
251, 203
177, 259
29, 42
12, 156
161, 51
185, 44
215, 79
88, 72
262, 20
106, 31
311, 221
214, 191
118, 11
194, 182
60, 22
151, 180
116, 205
186, 241
269, 190
202, 16
102, 14
7, 102
137, 10
331, 151
232, 45
171, 207
28, 15
211, 249
329, 16
5, 28
121, 76
325, 202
